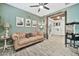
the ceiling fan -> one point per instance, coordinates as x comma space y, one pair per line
41, 6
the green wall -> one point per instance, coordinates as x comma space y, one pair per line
1, 29
9, 14
0, 10
73, 15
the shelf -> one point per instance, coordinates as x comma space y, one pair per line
72, 23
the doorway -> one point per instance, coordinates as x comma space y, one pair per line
55, 24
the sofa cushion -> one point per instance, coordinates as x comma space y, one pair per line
36, 38
39, 37
34, 33
28, 35
20, 34
24, 41
39, 33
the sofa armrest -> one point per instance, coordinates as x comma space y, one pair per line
14, 37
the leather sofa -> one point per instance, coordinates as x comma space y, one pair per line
21, 39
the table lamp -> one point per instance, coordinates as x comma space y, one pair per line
6, 27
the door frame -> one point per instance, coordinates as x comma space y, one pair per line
65, 13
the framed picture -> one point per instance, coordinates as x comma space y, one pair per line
34, 23
19, 21
28, 23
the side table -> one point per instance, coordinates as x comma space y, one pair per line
5, 41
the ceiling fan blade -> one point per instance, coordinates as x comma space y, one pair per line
39, 10
45, 3
34, 6
46, 7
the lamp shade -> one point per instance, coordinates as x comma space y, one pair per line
6, 25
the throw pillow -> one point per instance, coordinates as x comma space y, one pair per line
28, 35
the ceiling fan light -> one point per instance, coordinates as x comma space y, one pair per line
58, 17
41, 7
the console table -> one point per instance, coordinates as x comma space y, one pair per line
71, 34
72, 38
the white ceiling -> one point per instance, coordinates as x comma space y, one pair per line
53, 7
